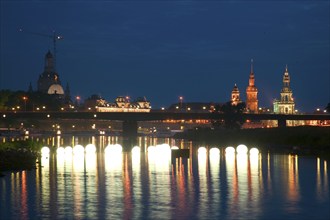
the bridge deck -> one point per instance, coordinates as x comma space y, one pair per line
157, 116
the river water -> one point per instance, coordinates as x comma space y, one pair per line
99, 179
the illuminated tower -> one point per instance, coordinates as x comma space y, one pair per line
235, 99
252, 94
286, 104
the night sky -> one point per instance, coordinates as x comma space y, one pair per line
166, 49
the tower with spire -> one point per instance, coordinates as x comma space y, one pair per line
286, 104
252, 93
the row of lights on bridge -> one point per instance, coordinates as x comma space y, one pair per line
25, 98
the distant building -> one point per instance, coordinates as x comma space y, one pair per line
235, 96
93, 102
252, 94
286, 104
319, 111
49, 81
121, 104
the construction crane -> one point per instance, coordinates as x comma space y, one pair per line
54, 37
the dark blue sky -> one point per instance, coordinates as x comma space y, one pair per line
166, 49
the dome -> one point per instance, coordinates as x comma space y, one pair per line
56, 89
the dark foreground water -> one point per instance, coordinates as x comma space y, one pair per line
144, 183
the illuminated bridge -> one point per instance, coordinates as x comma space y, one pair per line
130, 119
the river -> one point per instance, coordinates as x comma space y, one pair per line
94, 177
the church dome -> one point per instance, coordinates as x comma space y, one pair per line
56, 89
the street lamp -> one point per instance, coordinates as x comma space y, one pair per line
180, 99
77, 101
25, 99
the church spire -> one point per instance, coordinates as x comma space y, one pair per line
251, 67
251, 79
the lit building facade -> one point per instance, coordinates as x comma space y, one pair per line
123, 104
235, 96
286, 104
252, 94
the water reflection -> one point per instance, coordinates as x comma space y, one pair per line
99, 180
293, 183
322, 180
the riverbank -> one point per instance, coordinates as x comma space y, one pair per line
19, 155
303, 140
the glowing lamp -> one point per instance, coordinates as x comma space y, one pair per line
214, 151
60, 150
136, 150
230, 150
90, 148
241, 149
202, 150
254, 151
78, 149
45, 151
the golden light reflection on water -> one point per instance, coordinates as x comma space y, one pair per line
243, 169
113, 159
45, 181
24, 196
322, 187
136, 157
159, 158
78, 177
159, 167
213, 179
293, 179
255, 179
202, 168
242, 179
203, 180
231, 171
255, 183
